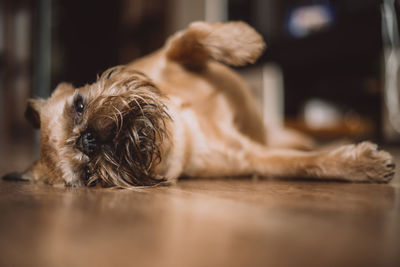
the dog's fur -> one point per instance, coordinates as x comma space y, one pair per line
177, 113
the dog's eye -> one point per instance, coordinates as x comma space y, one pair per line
79, 106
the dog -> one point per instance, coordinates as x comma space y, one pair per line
181, 112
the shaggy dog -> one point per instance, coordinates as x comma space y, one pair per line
180, 112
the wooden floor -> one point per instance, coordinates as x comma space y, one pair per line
223, 222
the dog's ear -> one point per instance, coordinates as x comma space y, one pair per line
17, 176
31, 174
32, 112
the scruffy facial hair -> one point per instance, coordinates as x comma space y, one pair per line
126, 115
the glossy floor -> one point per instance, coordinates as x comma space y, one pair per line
222, 222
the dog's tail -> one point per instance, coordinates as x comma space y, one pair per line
234, 43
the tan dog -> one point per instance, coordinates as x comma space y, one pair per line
177, 113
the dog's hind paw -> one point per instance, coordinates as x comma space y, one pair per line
364, 162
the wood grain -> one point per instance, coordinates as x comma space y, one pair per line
202, 222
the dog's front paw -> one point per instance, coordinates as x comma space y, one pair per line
73, 184
364, 162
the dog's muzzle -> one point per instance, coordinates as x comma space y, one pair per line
87, 143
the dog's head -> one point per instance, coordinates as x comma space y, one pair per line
109, 132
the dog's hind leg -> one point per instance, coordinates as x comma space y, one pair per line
289, 138
234, 43
237, 155
360, 163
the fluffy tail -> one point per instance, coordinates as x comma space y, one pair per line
234, 43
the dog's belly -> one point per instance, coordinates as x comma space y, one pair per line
211, 147
217, 94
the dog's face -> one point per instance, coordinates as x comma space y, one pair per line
109, 132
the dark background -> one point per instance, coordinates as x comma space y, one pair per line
45, 42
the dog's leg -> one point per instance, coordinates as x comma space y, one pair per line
289, 138
360, 163
234, 43
236, 155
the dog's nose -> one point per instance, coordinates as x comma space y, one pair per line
87, 143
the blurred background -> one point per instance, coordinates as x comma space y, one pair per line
331, 67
